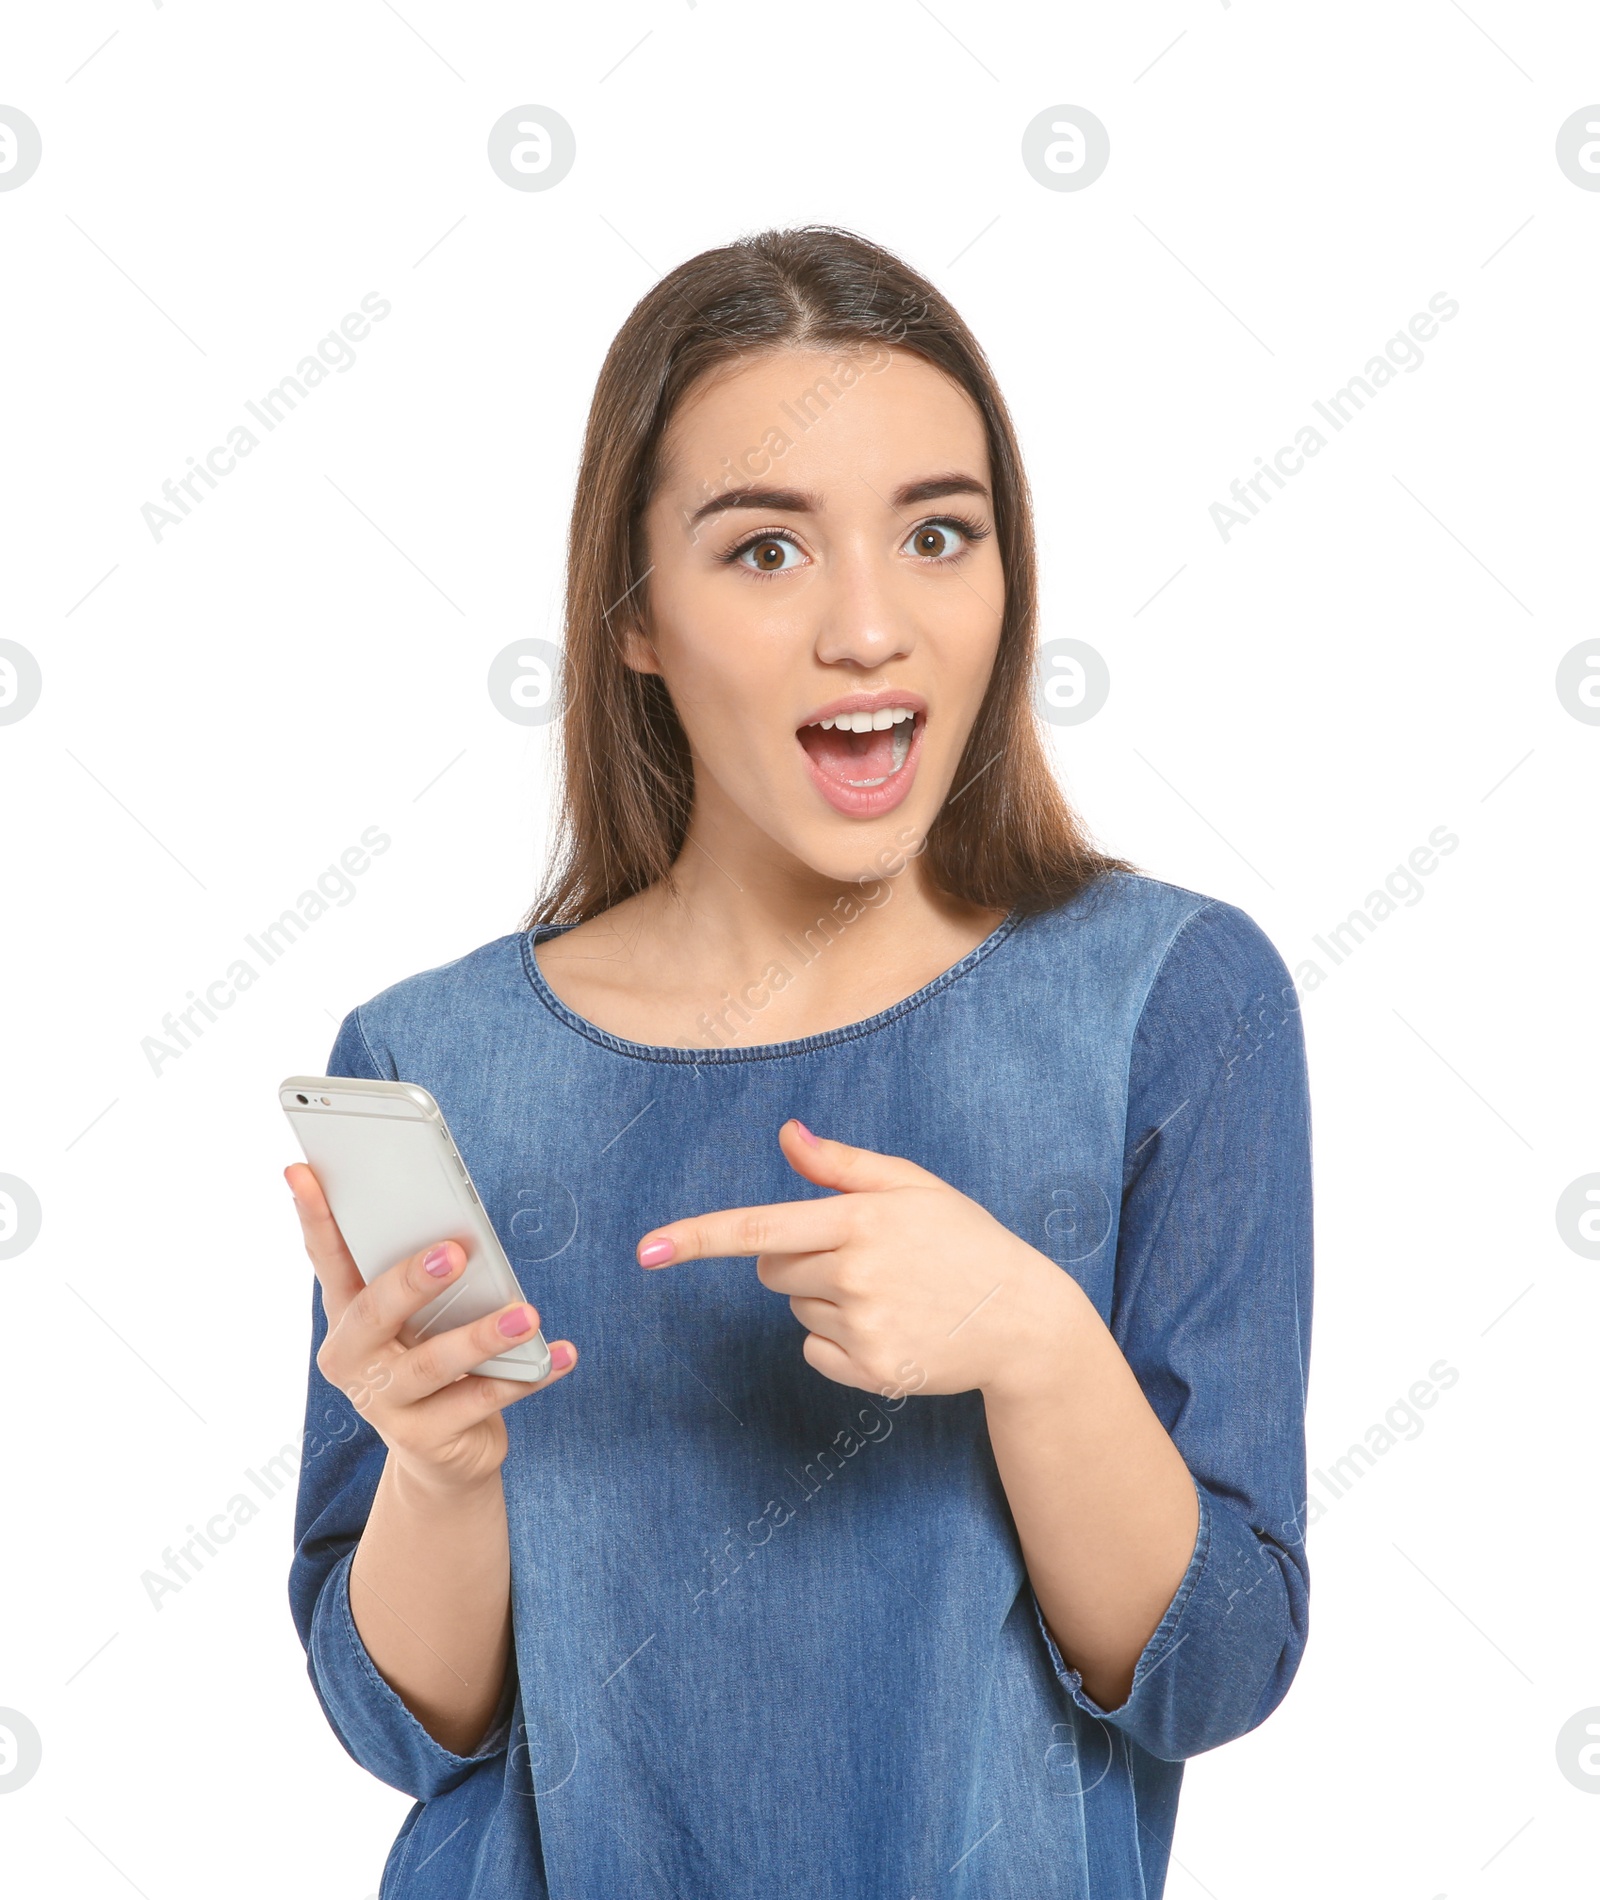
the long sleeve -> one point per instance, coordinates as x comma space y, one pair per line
342, 1460
1212, 1308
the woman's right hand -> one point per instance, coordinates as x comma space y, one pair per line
440, 1420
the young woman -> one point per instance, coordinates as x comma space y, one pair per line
929, 1201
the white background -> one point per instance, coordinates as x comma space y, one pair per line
226, 710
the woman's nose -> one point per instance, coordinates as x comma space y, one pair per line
863, 621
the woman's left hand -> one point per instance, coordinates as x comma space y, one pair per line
901, 1281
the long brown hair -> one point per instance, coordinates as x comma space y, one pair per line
1006, 837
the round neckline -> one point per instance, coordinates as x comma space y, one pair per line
759, 1051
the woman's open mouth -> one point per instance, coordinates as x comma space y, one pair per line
863, 751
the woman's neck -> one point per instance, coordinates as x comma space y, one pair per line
748, 946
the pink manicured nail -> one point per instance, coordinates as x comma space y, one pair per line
561, 1357
514, 1323
437, 1262
805, 1133
657, 1254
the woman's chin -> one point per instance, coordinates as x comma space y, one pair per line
846, 851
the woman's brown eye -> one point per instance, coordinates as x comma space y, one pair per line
931, 542
771, 554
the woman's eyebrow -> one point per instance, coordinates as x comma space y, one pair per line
796, 501
937, 487
789, 501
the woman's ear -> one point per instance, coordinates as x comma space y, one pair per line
637, 650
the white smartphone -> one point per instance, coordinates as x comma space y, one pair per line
396, 1183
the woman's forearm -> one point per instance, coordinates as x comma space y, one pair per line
1104, 1505
430, 1591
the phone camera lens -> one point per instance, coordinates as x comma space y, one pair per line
302, 1098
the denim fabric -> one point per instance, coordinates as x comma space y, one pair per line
774, 1636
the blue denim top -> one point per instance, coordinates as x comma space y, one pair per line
774, 1635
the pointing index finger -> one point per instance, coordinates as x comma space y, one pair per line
812, 1226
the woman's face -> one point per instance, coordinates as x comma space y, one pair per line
824, 598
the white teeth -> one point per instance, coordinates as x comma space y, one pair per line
879, 721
